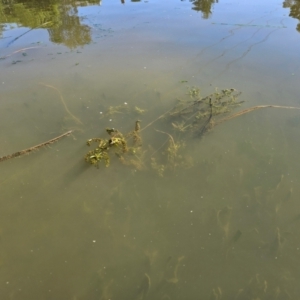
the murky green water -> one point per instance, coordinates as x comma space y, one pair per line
222, 225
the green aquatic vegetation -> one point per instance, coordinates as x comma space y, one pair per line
216, 294
136, 135
196, 114
172, 153
139, 111
159, 168
171, 157
129, 150
116, 142
174, 159
260, 287
194, 92
119, 109
124, 108
180, 126
192, 116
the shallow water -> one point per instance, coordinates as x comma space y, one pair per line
223, 225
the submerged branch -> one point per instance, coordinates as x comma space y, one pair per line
171, 138
28, 150
160, 117
63, 102
245, 111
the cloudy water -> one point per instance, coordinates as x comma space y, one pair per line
149, 150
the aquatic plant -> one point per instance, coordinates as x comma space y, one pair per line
195, 114
116, 142
190, 117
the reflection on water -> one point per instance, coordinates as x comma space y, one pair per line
61, 20
294, 6
203, 5
66, 27
214, 216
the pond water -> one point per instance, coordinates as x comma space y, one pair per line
210, 216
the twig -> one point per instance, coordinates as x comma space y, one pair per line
245, 111
28, 150
171, 138
63, 102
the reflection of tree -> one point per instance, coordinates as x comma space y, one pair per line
69, 31
28, 13
294, 6
204, 6
59, 17
1, 18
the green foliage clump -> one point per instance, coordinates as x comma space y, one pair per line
119, 145
195, 115
116, 141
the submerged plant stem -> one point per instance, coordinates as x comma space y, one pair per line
161, 116
171, 138
245, 111
28, 150
63, 102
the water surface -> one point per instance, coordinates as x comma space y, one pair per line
223, 225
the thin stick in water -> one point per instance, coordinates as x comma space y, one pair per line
63, 102
245, 111
28, 150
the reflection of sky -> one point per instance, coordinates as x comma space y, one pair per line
40, 36
169, 13
174, 24
224, 11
